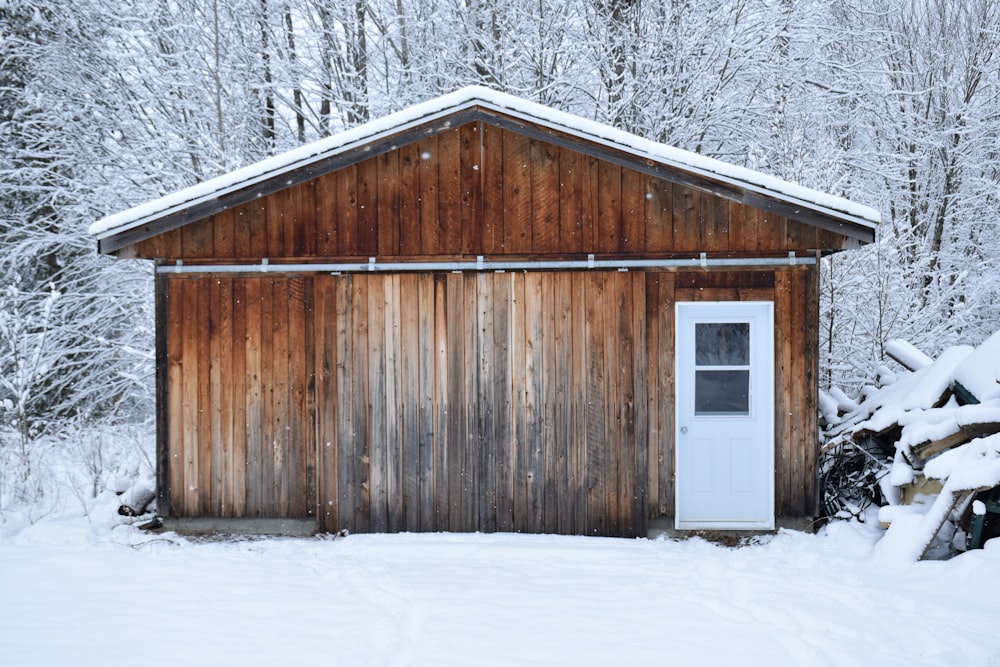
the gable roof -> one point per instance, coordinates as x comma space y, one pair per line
477, 103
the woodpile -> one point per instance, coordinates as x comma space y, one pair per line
938, 421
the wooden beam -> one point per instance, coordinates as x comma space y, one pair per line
964, 434
162, 393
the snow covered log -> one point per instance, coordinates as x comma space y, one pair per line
884, 412
907, 355
136, 499
965, 433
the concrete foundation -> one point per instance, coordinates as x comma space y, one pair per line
232, 526
664, 527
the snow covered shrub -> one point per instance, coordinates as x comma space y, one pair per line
26, 477
75, 469
25, 337
108, 461
69, 353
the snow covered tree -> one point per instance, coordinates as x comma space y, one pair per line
926, 85
65, 351
105, 105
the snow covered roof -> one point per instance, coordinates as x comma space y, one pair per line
860, 220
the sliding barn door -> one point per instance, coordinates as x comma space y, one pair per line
240, 436
489, 402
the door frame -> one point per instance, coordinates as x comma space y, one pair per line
761, 316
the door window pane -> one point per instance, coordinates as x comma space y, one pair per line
722, 344
722, 392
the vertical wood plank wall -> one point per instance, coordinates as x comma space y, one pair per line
519, 401
483, 190
238, 375
492, 402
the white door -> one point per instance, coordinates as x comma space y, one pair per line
725, 415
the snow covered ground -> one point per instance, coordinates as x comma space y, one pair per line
79, 591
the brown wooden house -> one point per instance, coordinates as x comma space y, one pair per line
480, 314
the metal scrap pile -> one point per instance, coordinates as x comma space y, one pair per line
925, 446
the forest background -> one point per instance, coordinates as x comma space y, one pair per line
106, 104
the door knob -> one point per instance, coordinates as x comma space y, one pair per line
684, 429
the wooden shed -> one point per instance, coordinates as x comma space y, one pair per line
482, 314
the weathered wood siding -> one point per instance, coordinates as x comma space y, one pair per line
239, 397
482, 190
535, 402
492, 402
796, 319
